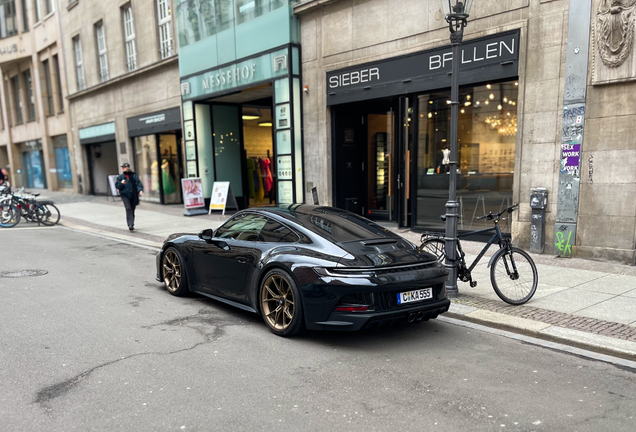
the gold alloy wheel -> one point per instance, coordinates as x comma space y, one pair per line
277, 300
171, 271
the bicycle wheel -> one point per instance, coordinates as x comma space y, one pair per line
514, 276
435, 247
51, 214
9, 215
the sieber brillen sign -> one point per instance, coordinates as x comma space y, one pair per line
497, 50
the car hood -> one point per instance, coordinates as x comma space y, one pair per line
383, 253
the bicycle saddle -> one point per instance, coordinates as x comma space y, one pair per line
36, 195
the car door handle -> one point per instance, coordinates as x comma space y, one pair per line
242, 260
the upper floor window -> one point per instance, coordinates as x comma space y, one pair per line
79, 63
25, 16
8, 19
101, 51
46, 88
48, 6
58, 84
249, 9
38, 10
129, 36
164, 18
17, 100
30, 96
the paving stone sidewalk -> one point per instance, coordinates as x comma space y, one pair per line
579, 302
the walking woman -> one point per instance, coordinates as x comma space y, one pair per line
130, 189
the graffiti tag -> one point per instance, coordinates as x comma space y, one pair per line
561, 244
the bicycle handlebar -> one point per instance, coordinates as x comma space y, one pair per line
491, 216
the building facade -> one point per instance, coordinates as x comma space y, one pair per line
35, 146
545, 101
239, 64
124, 94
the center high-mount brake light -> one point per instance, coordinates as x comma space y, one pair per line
352, 308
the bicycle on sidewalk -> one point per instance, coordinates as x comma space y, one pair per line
42, 212
513, 274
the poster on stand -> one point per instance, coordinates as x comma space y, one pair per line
111, 182
192, 193
222, 197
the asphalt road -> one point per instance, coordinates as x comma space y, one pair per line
97, 344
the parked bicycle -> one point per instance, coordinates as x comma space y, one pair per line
41, 212
9, 215
513, 274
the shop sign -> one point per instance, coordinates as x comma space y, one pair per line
153, 119
282, 116
285, 192
222, 197
188, 127
191, 153
192, 193
191, 169
284, 167
498, 50
247, 72
155, 122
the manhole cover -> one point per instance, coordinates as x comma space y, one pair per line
23, 273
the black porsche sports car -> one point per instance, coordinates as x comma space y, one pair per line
303, 266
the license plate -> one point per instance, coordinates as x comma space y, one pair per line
415, 296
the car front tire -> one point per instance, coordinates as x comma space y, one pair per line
173, 273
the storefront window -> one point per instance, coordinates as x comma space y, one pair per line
486, 148
62, 162
147, 167
33, 169
170, 169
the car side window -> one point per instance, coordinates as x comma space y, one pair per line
275, 232
246, 227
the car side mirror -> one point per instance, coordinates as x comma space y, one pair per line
206, 235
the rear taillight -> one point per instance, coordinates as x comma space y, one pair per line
352, 308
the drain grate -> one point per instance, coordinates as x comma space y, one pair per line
22, 273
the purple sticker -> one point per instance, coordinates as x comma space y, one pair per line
571, 154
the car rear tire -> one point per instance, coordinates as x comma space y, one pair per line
281, 305
173, 273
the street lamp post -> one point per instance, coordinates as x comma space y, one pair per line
456, 13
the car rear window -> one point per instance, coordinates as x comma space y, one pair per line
342, 226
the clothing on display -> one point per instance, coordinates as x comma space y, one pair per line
166, 178
260, 181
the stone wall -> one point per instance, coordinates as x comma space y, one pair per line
347, 32
153, 86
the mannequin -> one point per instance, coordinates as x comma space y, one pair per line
446, 156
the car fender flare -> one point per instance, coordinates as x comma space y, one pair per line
261, 276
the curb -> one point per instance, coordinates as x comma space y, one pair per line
575, 338
111, 235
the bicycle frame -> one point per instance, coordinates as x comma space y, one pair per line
497, 237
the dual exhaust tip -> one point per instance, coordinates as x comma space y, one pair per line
415, 316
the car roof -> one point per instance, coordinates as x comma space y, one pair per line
334, 224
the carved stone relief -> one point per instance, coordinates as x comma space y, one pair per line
615, 30
613, 36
